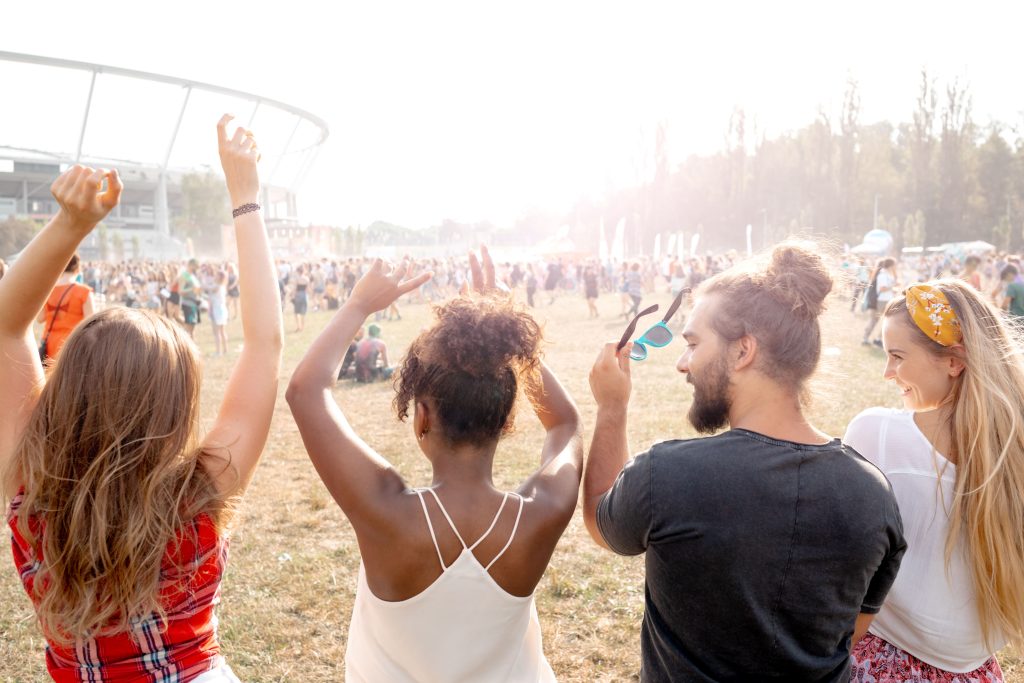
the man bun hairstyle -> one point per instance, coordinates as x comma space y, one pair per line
469, 365
777, 300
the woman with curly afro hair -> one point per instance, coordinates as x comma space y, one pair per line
446, 584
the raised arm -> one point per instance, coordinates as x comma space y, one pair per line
361, 481
236, 441
25, 288
557, 482
609, 451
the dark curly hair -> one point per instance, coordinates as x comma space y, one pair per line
470, 363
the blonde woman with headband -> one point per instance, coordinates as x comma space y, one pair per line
118, 506
955, 457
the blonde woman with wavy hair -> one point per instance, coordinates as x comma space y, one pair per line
118, 506
955, 457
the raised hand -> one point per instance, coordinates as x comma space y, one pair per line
382, 285
610, 380
82, 199
239, 155
481, 272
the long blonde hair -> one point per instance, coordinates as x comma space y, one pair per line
110, 466
987, 427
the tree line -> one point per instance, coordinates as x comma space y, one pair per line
938, 177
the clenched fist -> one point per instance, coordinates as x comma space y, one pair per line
83, 200
238, 157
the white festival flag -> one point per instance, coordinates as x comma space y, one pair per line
694, 243
657, 247
619, 241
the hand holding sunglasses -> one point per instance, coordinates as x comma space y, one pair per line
658, 335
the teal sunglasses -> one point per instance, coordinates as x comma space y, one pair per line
658, 335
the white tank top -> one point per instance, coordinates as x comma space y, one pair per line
462, 628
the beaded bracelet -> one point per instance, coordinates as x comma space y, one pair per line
245, 208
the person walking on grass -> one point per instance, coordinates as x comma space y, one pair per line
448, 572
955, 457
634, 288
880, 291
119, 508
189, 290
769, 546
300, 297
218, 297
590, 290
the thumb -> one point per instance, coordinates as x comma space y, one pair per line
114, 187
624, 362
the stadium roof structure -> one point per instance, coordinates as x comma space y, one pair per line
60, 111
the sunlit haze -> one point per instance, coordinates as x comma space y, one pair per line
472, 111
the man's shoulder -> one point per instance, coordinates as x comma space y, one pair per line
696, 448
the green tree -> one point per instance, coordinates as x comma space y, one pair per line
205, 208
955, 147
1001, 234
993, 199
15, 233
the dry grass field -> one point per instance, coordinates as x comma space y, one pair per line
293, 560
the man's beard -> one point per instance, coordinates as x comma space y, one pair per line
710, 409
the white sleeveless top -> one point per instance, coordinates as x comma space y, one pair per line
462, 628
930, 612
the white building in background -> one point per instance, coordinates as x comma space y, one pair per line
154, 129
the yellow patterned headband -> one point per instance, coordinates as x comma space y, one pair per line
930, 310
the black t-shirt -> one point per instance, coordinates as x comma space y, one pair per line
760, 555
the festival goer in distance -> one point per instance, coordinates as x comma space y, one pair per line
971, 274
1012, 299
590, 290
218, 297
372, 357
118, 507
634, 288
300, 297
446, 583
955, 457
68, 305
348, 363
189, 289
770, 546
233, 291
881, 288
531, 286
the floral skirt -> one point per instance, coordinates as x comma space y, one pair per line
877, 661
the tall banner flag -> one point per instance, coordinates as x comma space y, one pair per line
657, 247
619, 241
694, 243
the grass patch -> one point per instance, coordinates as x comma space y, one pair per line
288, 593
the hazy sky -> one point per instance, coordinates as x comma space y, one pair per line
477, 110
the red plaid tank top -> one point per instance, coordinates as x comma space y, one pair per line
190, 590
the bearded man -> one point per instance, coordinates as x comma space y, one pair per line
770, 546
